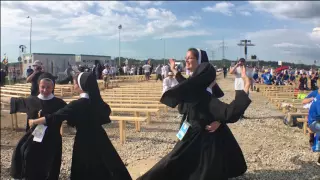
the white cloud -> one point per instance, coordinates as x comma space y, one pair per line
302, 10
183, 33
195, 17
221, 7
245, 13
289, 45
70, 21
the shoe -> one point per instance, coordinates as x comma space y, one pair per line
318, 163
243, 117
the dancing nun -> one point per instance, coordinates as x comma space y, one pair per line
94, 156
207, 150
37, 155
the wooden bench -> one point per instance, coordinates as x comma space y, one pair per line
122, 123
136, 112
305, 124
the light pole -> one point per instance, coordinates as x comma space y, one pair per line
245, 43
30, 32
164, 50
119, 27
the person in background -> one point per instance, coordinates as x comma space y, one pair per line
303, 82
256, 76
29, 71
292, 79
33, 78
151, 69
97, 70
169, 82
106, 76
3, 77
314, 125
238, 82
68, 72
313, 80
266, 77
225, 71
286, 78
146, 69
14, 75
158, 73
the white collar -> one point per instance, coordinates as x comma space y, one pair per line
84, 95
40, 96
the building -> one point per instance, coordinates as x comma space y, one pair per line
58, 63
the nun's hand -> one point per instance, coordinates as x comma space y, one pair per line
213, 126
31, 124
172, 65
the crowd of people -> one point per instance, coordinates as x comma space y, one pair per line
269, 76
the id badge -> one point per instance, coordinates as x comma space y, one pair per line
183, 130
39, 132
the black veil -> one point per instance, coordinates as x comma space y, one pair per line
88, 83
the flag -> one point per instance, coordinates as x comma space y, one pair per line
5, 59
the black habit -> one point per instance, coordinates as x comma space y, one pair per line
202, 155
94, 156
37, 160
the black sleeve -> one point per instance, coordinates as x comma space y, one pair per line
18, 105
179, 77
66, 113
229, 113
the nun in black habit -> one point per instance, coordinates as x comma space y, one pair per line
33, 158
208, 150
94, 156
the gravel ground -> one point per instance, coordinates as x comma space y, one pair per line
273, 151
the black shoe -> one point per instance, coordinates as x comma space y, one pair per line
243, 117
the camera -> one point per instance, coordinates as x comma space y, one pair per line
38, 68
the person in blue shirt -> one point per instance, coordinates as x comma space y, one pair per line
256, 76
313, 123
292, 79
307, 100
267, 77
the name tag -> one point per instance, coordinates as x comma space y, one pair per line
39, 132
183, 130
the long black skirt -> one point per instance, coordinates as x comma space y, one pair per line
201, 156
94, 157
34, 161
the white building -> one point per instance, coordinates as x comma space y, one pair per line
55, 63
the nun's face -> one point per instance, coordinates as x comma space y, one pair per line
76, 86
45, 87
191, 61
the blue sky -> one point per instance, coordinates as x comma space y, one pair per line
286, 31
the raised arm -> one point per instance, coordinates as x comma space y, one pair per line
178, 75
229, 113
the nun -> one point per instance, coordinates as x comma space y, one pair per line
38, 156
206, 148
94, 156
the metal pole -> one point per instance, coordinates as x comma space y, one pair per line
119, 48
164, 51
30, 33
